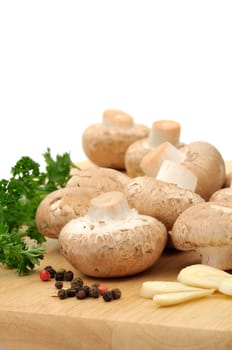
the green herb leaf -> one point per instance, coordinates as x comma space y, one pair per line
19, 200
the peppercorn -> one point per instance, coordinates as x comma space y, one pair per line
86, 288
62, 294
70, 292
116, 293
59, 276
50, 269
81, 294
77, 283
59, 284
68, 276
94, 292
107, 296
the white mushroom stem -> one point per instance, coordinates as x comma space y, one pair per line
178, 174
152, 161
109, 206
164, 130
218, 256
115, 118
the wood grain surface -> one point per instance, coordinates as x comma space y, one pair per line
31, 318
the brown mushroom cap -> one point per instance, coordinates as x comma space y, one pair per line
206, 162
223, 195
135, 152
106, 144
206, 228
112, 240
162, 200
103, 179
60, 206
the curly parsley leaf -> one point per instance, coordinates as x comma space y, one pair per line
19, 199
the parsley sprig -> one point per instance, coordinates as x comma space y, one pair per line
19, 199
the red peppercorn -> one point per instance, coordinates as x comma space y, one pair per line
44, 275
102, 289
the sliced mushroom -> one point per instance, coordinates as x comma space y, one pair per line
105, 143
206, 162
207, 229
103, 179
60, 206
162, 200
112, 240
161, 131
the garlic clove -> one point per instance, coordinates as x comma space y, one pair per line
168, 299
151, 288
225, 286
203, 276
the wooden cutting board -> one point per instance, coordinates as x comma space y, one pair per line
31, 318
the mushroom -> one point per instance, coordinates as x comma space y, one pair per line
112, 240
162, 200
103, 179
161, 131
152, 161
206, 162
60, 206
207, 229
223, 195
105, 143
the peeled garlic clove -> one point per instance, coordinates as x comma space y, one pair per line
168, 299
151, 288
203, 276
225, 286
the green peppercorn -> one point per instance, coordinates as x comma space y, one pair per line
116, 293
50, 269
94, 292
68, 276
77, 283
107, 296
59, 284
62, 294
71, 292
81, 293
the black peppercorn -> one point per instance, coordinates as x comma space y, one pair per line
116, 293
59, 276
59, 284
70, 292
77, 283
68, 276
86, 288
81, 294
107, 296
94, 292
62, 294
50, 269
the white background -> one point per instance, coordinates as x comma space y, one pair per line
63, 62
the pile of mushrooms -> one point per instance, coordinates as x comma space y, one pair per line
110, 224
